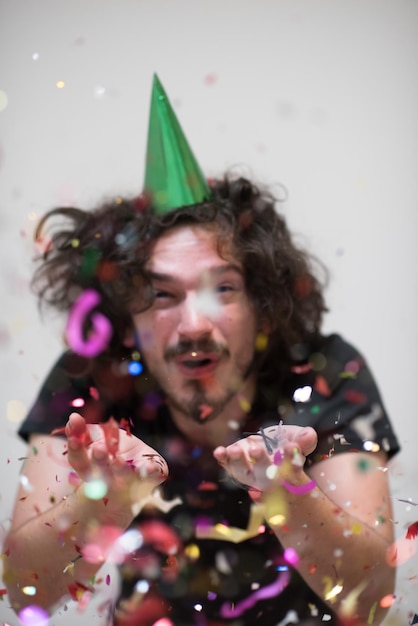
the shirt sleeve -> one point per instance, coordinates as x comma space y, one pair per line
337, 395
68, 387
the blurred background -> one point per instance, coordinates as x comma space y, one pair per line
319, 97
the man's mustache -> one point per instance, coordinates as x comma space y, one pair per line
185, 348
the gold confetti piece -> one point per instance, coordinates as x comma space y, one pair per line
370, 619
357, 529
333, 592
276, 520
244, 404
192, 551
261, 342
231, 533
348, 605
60, 84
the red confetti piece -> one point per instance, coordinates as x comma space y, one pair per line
77, 590
141, 202
94, 393
206, 485
205, 411
107, 271
301, 369
322, 387
412, 531
387, 601
355, 397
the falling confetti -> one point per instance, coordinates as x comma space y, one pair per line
302, 394
299, 489
322, 387
33, 616
15, 411
102, 330
412, 531
95, 489
261, 342
291, 556
387, 601
205, 411
274, 589
207, 303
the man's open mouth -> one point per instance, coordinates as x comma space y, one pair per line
197, 365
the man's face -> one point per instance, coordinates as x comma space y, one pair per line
198, 337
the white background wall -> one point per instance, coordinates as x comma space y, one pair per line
320, 95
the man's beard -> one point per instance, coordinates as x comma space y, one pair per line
200, 408
204, 405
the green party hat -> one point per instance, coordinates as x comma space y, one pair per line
173, 177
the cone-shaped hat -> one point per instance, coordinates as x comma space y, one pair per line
173, 177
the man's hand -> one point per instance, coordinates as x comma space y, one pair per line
274, 455
108, 453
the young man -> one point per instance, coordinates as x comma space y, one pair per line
215, 339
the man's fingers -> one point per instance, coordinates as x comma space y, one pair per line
76, 427
220, 455
77, 456
78, 438
111, 433
308, 440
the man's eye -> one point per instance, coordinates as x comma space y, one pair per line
161, 295
224, 288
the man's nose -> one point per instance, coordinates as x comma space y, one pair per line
194, 322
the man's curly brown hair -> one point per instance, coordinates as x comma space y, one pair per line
107, 249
